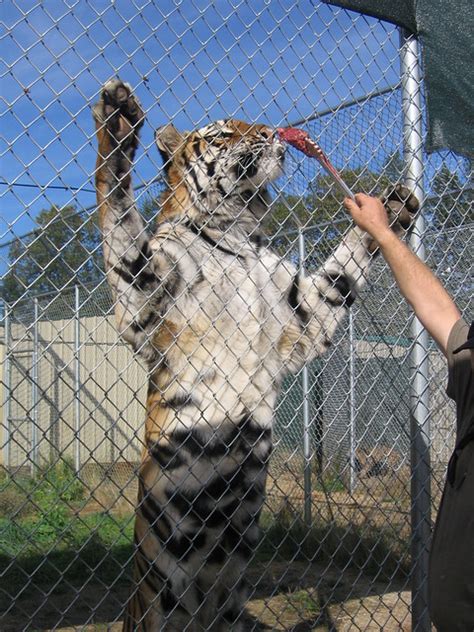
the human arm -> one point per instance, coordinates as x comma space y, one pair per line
430, 301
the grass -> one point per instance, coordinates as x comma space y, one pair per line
45, 542
304, 601
346, 545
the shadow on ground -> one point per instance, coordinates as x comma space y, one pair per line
299, 596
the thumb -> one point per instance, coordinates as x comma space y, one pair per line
350, 204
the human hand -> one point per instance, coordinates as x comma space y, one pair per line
369, 214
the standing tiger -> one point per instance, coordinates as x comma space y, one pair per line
219, 319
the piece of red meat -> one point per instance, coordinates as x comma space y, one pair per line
299, 139
293, 136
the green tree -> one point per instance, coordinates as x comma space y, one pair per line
394, 168
319, 211
451, 202
64, 250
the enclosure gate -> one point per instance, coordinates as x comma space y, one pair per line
348, 513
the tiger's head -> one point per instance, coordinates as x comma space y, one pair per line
220, 168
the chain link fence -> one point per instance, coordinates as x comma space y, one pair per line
336, 547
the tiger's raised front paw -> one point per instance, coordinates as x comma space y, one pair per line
402, 206
119, 112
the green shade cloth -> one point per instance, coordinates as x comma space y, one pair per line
445, 28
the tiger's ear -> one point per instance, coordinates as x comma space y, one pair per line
168, 140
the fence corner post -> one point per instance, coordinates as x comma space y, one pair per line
419, 396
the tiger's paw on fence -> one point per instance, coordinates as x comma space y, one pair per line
119, 111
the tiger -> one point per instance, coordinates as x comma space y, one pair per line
218, 319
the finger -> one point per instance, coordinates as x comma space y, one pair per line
362, 198
350, 204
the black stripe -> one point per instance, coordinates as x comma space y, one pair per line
199, 442
257, 240
153, 568
123, 274
167, 457
197, 148
142, 325
141, 261
197, 230
221, 189
218, 136
219, 517
211, 168
200, 591
171, 286
168, 601
224, 484
217, 555
231, 615
251, 432
182, 545
200, 503
342, 284
198, 278
156, 522
247, 164
178, 402
146, 574
295, 304
235, 540
244, 435
185, 503
153, 513
136, 272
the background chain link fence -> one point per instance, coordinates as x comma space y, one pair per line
335, 552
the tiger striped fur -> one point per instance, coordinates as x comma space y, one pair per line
219, 319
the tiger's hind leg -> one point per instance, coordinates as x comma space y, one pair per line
196, 531
154, 604
231, 599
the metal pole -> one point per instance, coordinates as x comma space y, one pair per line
77, 382
306, 413
352, 438
344, 105
34, 391
7, 387
419, 402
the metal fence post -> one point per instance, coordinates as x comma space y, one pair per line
77, 382
6, 387
306, 412
419, 404
34, 390
352, 438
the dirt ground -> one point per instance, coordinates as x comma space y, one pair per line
302, 604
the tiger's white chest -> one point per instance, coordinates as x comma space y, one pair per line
230, 324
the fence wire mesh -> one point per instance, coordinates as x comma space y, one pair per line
334, 511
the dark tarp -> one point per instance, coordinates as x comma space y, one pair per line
445, 28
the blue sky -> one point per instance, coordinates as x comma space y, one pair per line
190, 62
